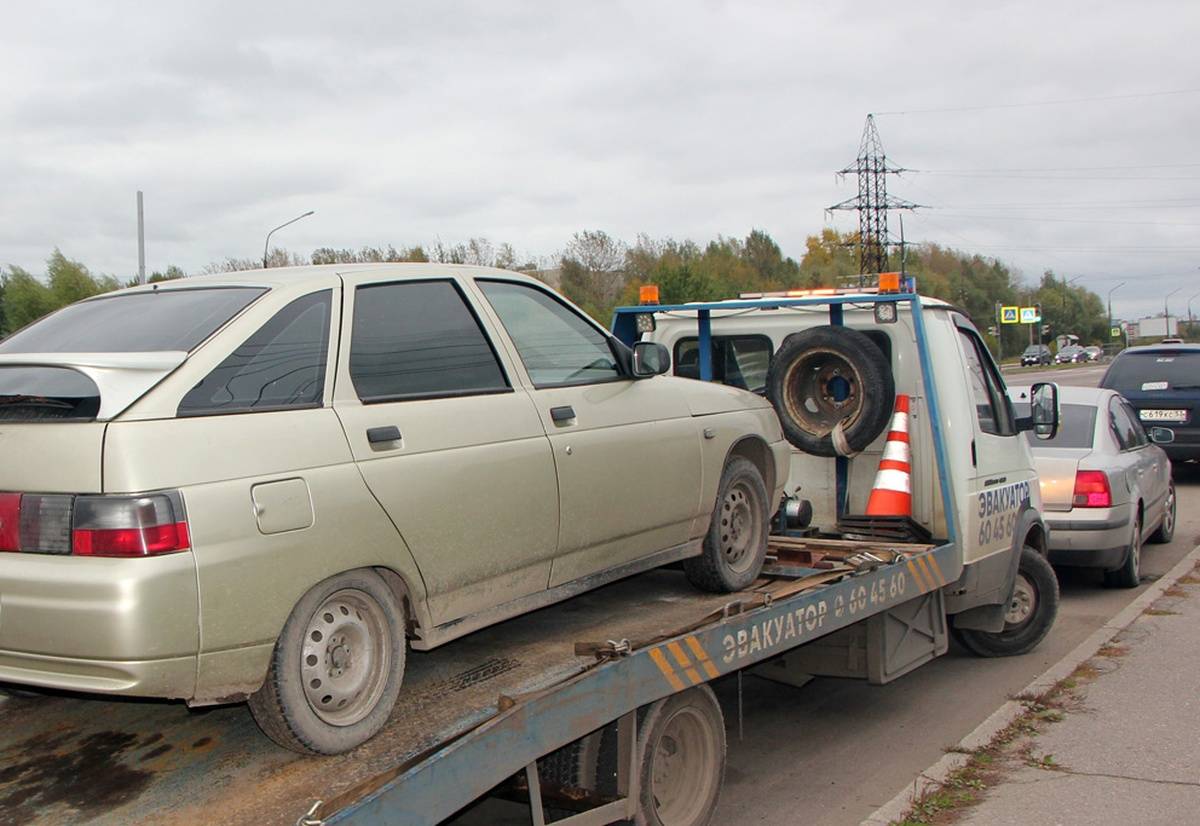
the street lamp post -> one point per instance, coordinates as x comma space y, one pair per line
1167, 312
267, 242
1110, 292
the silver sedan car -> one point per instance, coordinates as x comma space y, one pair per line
1106, 486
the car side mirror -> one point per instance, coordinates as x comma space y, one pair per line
1161, 435
650, 359
1043, 415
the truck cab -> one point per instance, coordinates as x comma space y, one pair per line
989, 468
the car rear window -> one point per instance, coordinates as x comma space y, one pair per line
143, 322
1076, 426
1155, 370
29, 394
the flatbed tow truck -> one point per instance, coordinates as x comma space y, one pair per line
488, 710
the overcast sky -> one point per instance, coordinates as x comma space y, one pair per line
405, 122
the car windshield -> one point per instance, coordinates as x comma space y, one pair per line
1032, 350
1155, 370
141, 322
1076, 426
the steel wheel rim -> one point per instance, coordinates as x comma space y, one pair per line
1023, 603
1169, 518
679, 778
739, 528
1135, 549
811, 398
346, 657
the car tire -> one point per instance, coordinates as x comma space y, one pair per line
337, 667
1031, 613
824, 376
1129, 575
1166, 530
736, 543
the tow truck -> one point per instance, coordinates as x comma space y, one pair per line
598, 710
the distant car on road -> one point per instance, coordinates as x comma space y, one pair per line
1162, 382
1093, 353
1106, 486
1036, 354
1070, 354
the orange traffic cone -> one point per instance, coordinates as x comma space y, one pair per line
892, 493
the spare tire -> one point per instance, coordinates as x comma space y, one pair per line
827, 375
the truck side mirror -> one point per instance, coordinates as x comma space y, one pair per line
650, 359
1043, 408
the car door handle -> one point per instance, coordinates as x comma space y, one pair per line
381, 435
561, 415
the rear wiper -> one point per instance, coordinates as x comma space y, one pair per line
1184, 387
36, 401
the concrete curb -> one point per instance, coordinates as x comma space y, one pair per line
896, 808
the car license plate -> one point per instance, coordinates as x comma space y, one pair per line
1163, 415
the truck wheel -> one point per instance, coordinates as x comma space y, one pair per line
1166, 531
1030, 615
824, 376
736, 543
1129, 575
337, 667
681, 752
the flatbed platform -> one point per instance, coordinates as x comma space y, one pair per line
88, 759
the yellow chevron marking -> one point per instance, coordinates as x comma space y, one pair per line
928, 573
684, 663
916, 577
660, 660
937, 570
702, 656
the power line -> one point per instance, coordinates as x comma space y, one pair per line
1039, 219
1057, 168
1060, 102
1037, 177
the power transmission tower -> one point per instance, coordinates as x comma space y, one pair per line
872, 202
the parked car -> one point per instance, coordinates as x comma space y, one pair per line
1106, 485
1036, 354
1093, 353
1070, 354
261, 484
1162, 382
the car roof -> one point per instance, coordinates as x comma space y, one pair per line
1069, 394
318, 275
1160, 348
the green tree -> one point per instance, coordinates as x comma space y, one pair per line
26, 299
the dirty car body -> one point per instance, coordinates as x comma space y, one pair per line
181, 463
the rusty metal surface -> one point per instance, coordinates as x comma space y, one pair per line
80, 759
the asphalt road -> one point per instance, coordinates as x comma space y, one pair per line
830, 753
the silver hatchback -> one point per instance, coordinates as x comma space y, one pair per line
1106, 486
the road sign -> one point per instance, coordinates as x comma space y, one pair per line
1008, 315
1115, 332
1030, 315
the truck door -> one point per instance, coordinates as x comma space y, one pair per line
1001, 473
451, 448
627, 451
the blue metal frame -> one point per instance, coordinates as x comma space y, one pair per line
624, 327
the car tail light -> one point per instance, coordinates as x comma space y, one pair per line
1091, 490
10, 521
85, 525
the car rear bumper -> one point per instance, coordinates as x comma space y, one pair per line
122, 626
1095, 538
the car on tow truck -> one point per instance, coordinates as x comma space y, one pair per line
270, 484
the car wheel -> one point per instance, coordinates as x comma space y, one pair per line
337, 667
736, 543
1129, 575
1030, 615
1166, 531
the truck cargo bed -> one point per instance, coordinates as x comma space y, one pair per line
100, 760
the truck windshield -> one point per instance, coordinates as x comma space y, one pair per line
175, 319
1161, 370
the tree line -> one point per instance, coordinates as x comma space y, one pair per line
599, 272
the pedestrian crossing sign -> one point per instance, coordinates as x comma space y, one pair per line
1008, 315
1030, 315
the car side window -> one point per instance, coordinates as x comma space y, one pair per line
419, 339
556, 345
991, 404
1139, 432
280, 367
1123, 427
